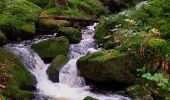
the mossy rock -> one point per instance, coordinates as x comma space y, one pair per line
89, 98
107, 67
49, 26
73, 34
14, 77
51, 48
3, 38
17, 19
55, 67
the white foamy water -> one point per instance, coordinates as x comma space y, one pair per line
71, 85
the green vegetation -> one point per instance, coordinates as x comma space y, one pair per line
17, 82
144, 34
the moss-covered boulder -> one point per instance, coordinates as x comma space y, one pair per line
73, 34
55, 67
107, 67
14, 78
89, 98
49, 26
18, 19
3, 38
49, 49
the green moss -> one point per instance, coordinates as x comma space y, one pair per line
55, 67
73, 34
14, 80
3, 39
52, 47
17, 16
77, 8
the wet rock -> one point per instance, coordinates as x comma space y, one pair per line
109, 67
73, 34
49, 26
55, 67
14, 77
49, 49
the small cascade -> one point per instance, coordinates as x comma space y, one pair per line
71, 85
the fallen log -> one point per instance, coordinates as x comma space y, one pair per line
75, 19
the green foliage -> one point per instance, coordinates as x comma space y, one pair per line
103, 29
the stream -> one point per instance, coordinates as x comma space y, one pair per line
71, 85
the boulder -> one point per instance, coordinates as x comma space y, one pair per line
54, 69
73, 34
3, 38
51, 48
107, 67
49, 26
18, 18
15, 79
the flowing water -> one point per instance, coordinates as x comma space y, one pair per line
71, 85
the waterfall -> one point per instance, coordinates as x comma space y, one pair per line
71, 85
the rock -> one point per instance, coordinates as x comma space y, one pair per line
18, 18
3, 38
14, 77
107, 67
56, 65
89, 98
51, 48
73, 34
49, 26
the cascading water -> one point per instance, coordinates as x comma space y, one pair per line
71, 85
